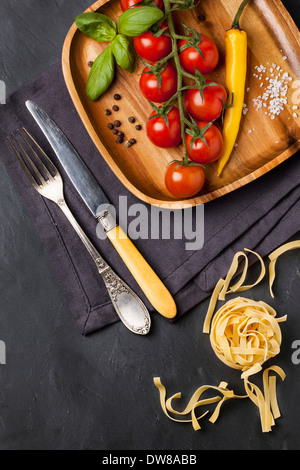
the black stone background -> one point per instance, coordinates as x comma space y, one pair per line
60, 391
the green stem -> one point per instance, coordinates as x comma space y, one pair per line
171, 100
169, 17
188, 75
178, 36
236, 21
166, 59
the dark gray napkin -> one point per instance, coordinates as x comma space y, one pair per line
260, 216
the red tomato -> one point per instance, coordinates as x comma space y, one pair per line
184, 181
149, 84
209, 152
160, 134
126, 4
210, 108
152, 48
190, 57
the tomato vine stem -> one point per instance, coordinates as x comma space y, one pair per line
180, 75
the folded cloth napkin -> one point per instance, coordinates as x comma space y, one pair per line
260, 216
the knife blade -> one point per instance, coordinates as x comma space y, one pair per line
79, 174
94, 197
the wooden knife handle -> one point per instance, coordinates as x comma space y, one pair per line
151, 285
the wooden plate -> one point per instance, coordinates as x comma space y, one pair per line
263, 143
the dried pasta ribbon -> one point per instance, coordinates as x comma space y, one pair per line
239, 286
223, 286
273, 260
267, 401
195, 402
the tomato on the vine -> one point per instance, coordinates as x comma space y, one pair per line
126, 4
208, 147
211, 106
165, 134
190, 58
152, 48
159, 92
184, 181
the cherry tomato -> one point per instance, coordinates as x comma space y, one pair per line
184, 181
152, 48
208, 152
190, 57
150, 88
210, 108
126, 4
160, 134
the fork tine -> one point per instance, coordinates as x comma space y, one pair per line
34, 168
49, 162
24, 167
37, 157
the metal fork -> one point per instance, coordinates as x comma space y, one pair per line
47, 181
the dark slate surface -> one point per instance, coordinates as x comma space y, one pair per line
62, 391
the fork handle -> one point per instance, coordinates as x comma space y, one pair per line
129, 307
149, 282
85, 240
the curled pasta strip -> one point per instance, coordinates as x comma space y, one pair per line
223, 286
195, 402
267, 401
273, 260
239, 286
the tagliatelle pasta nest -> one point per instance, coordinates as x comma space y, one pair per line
244, 334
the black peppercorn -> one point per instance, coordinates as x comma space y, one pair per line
120, 140
115, 132
117, 123
110, 126
117, 97
131, 119
138, 127
132, 141
107, 112
121, 134
90, 63
115, 108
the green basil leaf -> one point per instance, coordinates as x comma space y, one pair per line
124, 53
101, 74
136, 21
96, 26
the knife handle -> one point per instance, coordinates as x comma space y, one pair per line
149, 282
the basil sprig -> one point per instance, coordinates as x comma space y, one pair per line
101, 28
96, 26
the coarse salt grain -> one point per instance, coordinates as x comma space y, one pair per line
274, 96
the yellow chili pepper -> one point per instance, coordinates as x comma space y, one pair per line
236, 43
